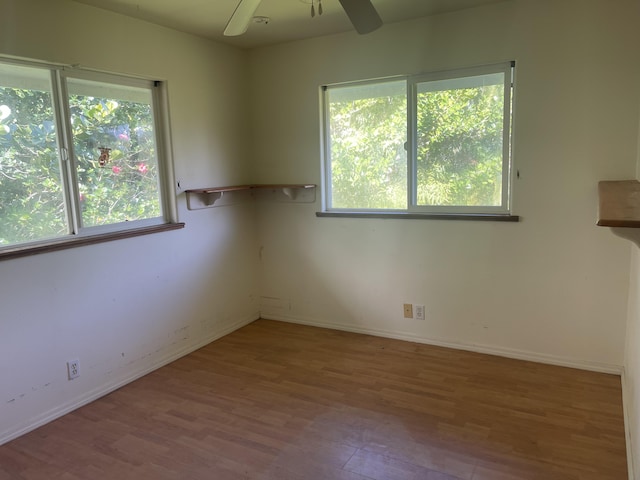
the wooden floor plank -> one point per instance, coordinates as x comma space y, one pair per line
282, 401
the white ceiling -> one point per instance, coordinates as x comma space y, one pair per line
289, 19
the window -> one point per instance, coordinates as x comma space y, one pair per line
426, 144
80, 154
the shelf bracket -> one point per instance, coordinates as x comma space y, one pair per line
628, 233
207, 199
290, 192
212, 198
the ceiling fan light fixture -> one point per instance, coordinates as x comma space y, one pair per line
261, 20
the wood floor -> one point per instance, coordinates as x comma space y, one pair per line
280, 401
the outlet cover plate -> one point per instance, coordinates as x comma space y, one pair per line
73, 368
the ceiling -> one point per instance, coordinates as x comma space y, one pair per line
288, 19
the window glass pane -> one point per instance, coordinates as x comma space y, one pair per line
460, 125
31, 189
115, 151
368, 131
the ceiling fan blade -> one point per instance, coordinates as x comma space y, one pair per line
362, 14
241, 18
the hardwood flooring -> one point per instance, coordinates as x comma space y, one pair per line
281, 401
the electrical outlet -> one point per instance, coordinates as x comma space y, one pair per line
420, 314
73, 368
408, 310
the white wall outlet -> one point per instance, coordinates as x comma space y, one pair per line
408, 310
420, 314
73, 368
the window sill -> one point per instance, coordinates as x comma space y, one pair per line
487, 217
75, 241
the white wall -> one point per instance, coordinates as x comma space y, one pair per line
552, 287
631, 377
127, 306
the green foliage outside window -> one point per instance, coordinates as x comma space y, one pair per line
31, 192
32, 199
369, 162
126, 187
459, 158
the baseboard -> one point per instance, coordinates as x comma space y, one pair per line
103, 390
487, 349
627, 426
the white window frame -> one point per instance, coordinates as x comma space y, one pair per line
413, 209
60, 104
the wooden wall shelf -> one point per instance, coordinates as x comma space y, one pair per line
199, 198
619, 204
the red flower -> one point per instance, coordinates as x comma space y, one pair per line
142, 168
116, 169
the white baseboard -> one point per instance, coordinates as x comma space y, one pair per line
627, 426
489, 350
115, 384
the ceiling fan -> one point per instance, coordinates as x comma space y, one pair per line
362, 14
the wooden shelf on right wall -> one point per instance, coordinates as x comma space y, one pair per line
619, 204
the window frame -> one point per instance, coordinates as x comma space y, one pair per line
413, 210
76, 234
